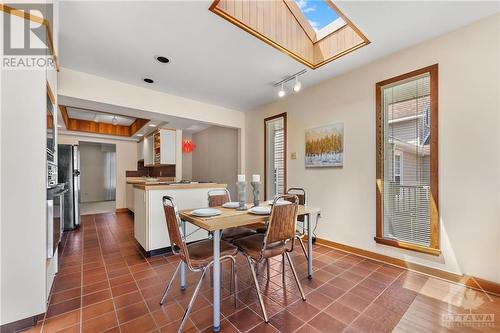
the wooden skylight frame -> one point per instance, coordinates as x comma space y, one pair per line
281, 24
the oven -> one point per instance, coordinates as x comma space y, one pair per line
55, 217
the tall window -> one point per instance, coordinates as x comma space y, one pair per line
275, 156
407, 188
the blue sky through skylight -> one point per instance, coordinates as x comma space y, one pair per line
317, 12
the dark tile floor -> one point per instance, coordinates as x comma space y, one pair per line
105, 284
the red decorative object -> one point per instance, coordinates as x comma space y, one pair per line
188, 146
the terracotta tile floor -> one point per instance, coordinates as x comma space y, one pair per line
105, 284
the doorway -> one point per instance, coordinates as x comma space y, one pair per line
97, 178
275, 139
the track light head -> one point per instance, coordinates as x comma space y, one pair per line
282, 92
96, 119
298, 85
114, 120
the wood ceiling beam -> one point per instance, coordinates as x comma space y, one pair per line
64, 114
88, 126
137, 125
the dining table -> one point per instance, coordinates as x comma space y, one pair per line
229, 218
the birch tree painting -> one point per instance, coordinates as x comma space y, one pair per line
325, 146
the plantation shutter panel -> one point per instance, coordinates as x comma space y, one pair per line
279, 160
406, 166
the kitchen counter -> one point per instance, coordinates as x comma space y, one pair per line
142, 180
150, 229
159, 186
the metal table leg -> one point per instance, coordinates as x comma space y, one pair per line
309, 247
183, 265
216, 281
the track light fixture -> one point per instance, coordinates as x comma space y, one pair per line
114, 121
296, 87
96, 119
282, 92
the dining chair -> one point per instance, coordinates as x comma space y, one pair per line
274, 242
196, 256
300, 234
218, 197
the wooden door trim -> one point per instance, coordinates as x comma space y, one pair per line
284, 116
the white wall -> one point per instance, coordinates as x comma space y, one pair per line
216, 156
93, 170
23, 190
187, 159
126, 159
469, 142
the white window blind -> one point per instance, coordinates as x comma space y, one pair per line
279, 159
406, 181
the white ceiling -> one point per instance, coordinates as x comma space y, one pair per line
90, 115
216, 62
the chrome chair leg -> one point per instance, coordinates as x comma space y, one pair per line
283, 268
303, 247
295, 276
268, 269
234, 281
261, 301
170, 283
191, 302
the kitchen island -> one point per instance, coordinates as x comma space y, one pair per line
150, 228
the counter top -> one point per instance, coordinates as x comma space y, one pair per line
141, 180
157, 186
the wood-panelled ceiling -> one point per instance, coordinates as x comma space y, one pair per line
88, 126
281, 24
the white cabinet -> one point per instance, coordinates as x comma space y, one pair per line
168, 141
130, 197
148, 150
141, 218
140, 150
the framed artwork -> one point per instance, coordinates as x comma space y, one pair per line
325, 146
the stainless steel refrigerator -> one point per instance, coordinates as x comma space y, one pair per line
68, 165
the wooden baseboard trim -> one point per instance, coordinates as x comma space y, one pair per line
123, 210
465, 280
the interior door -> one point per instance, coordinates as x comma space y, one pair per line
275, 133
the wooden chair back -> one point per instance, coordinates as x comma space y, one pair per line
218, 197
283, 220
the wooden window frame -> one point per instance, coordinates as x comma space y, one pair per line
434, 247
285, 153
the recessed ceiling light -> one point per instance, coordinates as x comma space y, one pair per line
162, 59
152, 125
138, 134
148, 80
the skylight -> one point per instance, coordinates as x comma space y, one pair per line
317, 12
